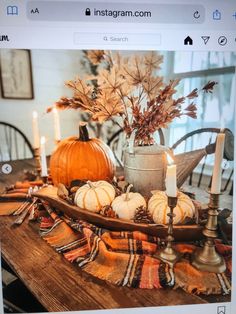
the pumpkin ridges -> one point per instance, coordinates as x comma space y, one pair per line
71, 149
97, 198
84, 199
191, 206
106, 152
165, 213
57, 161
158, 207
61, 162
110, 200
74, 159
70, 153
95, 147
91, 196
125, 209
181, 211
95, 157
106, 160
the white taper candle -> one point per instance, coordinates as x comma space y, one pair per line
217, 170
35, 126
57, 128
44, 169
171, 184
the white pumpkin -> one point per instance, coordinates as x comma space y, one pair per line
158, 208
126, 204
94, 195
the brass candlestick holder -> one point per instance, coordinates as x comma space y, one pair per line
206, 258
45, 181
168, 254
37, 161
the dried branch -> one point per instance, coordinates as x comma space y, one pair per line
130, 87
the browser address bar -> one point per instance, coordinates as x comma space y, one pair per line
70, 11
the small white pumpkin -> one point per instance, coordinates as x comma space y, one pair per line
158, 208
94, 195
126, 204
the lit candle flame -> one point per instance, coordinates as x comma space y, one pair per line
35, 114
43, 140
169, 159
54, 109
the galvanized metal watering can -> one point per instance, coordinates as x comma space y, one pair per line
145, 166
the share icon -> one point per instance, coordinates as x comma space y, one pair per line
205, 39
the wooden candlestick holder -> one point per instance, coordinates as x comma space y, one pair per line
206, 258
169, 254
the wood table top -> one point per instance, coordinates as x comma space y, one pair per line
62, 286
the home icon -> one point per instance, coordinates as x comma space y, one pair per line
188, 41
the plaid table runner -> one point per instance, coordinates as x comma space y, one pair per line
125, 258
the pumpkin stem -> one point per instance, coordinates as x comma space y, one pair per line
83, 132
91, 185
127, 192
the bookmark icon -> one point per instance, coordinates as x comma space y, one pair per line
221, 310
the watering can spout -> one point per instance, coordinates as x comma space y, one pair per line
186, 162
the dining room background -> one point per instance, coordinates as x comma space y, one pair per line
52, 68
71, 191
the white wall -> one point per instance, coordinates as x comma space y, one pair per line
51, 68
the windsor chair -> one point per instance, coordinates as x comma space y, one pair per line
14, 144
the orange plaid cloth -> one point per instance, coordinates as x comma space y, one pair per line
126, 258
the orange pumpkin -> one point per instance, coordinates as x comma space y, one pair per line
81, 159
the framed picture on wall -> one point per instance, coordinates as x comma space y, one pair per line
16, 74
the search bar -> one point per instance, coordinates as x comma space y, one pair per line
116, 38
115, 12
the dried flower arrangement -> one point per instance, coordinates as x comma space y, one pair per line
129, 87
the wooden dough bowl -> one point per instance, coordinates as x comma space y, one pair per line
181, 232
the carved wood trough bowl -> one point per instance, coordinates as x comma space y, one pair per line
181, 232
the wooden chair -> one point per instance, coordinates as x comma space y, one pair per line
116, 143
14, 144
207, 136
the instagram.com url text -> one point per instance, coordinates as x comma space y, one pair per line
121, 13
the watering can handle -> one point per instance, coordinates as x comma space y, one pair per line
131, 142
132, 139
161, 136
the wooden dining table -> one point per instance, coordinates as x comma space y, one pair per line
61, 286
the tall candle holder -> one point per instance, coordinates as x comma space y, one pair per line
45, 181
169, 254
37, 161
206, 258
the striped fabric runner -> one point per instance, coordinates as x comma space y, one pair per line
125, 258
